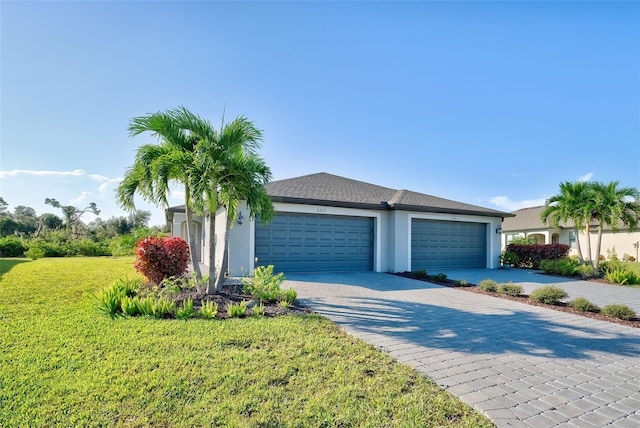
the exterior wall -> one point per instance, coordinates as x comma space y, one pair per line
392, 235
622, 241
178, 228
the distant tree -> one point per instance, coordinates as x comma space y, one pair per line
8, 226
3, 207
72, 214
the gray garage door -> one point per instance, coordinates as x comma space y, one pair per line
315, 243
439, 244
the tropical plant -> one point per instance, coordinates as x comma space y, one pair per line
289, 295
237, 310
569, 206
612, 205
160, 258
157, 166
209, 309
232, 172
186, 311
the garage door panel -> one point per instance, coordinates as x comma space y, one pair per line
309, 242
447, 244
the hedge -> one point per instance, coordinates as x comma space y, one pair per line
531, 255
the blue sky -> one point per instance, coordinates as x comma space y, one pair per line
489, 103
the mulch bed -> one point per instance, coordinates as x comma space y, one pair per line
233, 294
473, 288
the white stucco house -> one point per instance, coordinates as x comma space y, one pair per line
324, 222
527, 223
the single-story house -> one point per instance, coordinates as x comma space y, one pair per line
527, 223
324, 222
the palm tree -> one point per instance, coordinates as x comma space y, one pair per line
570, 205
173, 159
231, 171
612, 205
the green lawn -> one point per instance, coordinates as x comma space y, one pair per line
65, 364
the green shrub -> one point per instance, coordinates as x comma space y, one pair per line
586, 271
510, 289
130, 306
165, 308
549, 294
12, 246
440, 277
489, 285
564, 266
186, 311
35, 253
462, 283
290, 295
237, 310
622, 312
263, 285
582, 304
420, 273
509, 258
147, 306
622, 275
258, 310
209, 310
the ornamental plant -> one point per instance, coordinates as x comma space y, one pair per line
158, 258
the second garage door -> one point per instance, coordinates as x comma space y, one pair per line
315, 243
439, 244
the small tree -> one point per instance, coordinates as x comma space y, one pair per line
72, 214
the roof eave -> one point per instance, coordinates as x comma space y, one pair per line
419, 208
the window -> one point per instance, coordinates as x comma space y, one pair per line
510, 237
573, 239
555, 239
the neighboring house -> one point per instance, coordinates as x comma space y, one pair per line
527, 223
328, 223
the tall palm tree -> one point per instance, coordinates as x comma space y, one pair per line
570, 205
231, 171
611, 206
173, 159
246, 177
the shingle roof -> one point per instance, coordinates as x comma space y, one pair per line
332, 190
526, 219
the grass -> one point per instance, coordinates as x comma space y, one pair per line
64, 363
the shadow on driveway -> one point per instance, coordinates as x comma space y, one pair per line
438, 317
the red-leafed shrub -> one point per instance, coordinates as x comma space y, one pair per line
530, 256
161, 257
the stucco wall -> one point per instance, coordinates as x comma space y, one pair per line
622, 241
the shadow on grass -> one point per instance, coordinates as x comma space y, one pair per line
432, 319
7, 264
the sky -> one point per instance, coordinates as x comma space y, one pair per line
488, 103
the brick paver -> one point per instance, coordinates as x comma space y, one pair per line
521, 365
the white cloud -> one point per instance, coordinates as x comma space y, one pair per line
17, 172
586, 177
83, 198
504, 203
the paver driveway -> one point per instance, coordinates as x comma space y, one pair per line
521, 365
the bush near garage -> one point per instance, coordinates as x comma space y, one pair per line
530, 256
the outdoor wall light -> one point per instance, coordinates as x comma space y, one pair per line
240, 217
498, 230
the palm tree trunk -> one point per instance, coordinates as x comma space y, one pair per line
596, 265
220, 277
588, 233
211, 233
578, 244
193, 247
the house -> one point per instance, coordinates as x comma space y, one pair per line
324, 222
527, 223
